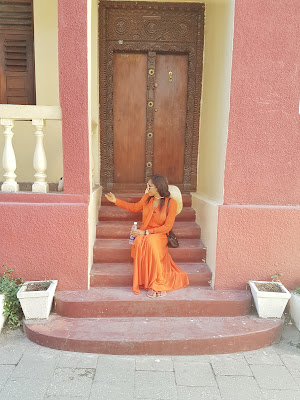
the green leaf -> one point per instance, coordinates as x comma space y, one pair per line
9, 286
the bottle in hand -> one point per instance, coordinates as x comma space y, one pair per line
131, 238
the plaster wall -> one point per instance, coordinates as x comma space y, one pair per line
259, 223
45, 240
215, 99
93, 209
93, 90
207, 219
73, 89
46, 80
263, 163
215, 103
256, 243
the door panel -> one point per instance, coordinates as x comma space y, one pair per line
129, 121
170, 116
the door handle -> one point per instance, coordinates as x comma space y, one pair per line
170, 76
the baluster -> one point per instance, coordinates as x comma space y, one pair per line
39, 159
9, 158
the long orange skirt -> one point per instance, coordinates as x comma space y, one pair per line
153, 267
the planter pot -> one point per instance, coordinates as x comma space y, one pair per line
269, 304
295, 309
2, 318
36, 304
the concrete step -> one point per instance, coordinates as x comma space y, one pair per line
118, 250
155, 336
120, 274
122, 302
107, 213
135, 197
121, 229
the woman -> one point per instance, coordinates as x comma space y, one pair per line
154, 269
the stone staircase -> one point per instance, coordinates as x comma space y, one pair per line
110, 318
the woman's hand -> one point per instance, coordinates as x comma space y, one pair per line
137, 232
111, 197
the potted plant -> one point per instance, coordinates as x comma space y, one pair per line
36, 298
10, 309
295, 307
270, 297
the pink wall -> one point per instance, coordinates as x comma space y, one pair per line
46, 236
262, 161
46, 241
259, 225
73, 89
255, 243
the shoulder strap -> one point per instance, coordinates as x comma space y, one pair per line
168, 205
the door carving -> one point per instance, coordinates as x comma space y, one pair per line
150, 89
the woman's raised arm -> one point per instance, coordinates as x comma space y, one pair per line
133, 207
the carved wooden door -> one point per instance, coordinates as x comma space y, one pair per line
129, 123
149, 123
150, 80
170, 116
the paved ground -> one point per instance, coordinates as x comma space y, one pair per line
32, 372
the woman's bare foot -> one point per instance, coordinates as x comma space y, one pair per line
161, 294
151, 293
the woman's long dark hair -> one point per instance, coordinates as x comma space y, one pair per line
161, 184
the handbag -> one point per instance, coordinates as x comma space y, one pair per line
172, 239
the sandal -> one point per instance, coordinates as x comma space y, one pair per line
151, 293
161, 294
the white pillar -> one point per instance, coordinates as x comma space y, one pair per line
9, 158
39, 159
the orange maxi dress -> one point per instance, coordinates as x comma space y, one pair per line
153, 267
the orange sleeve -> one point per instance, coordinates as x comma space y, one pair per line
133, 207
168, 225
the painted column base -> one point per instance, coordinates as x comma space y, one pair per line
10, 187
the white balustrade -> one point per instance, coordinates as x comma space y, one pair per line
39, 159
38, 115
9, 158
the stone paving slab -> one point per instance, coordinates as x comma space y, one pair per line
71, 382
24, 389
112, 390
155, 385
238, 387
235, 364
292, 363
280, 395
274, 377
198, 393
115, 369
78, 360
66, 398
32, 372
11, 354
5, 372
267, 356
38, 366
194, 374
158, 363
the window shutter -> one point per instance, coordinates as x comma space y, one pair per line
16, 52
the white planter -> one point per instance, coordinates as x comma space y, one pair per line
269, 304
2, 318
295, 309
36, 304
